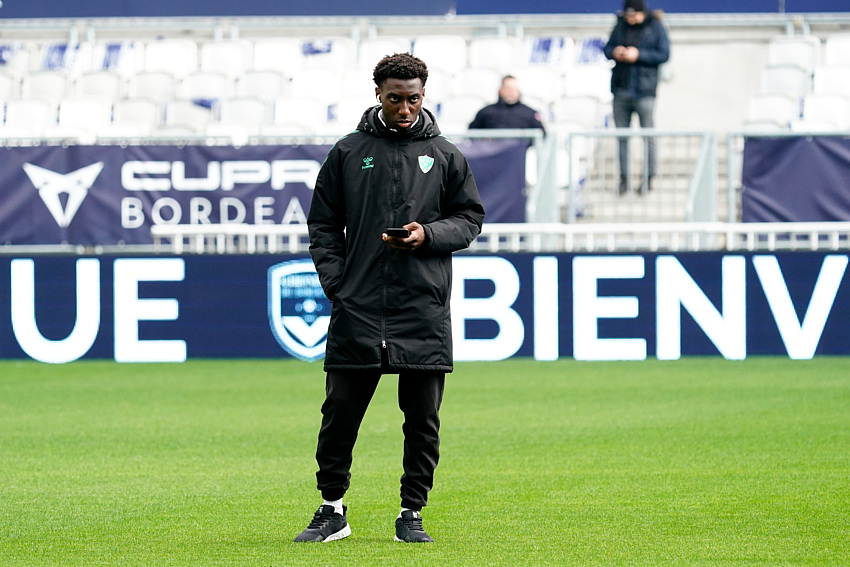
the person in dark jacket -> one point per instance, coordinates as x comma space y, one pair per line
390, 294
508, 112
638, 45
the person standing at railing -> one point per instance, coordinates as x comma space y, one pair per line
390, 293
638, 45
508, 112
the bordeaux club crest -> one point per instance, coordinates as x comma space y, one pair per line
299, 312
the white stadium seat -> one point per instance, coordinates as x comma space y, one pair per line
99, 83
49, 85
176, 56
283, 55
801, 50
158, 85
372, 50
441, 52
267, 85
501, 54
230, 58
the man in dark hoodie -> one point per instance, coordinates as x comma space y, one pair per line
390, 294
638, 45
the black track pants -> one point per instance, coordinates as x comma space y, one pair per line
348, 393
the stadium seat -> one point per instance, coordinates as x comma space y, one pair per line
17, 56
203, 85
99, 83
589, 80
457, 112
500, 54
125, 58
70, 57
439, 86
372, 50
267, 85
836, 48
349, 110
583, 110
90, 112
540, 82
176, 56
483, 82
158, 85
325, 85
9, 86
79, 118
49, 85
300, 115
791, 79
138, 111
358, 83
245, 110
801, 50
553, 51
832, 80
189, 114
333, 53
780, 108
441, 52
827, 109
278, 54
230, 58
31, 114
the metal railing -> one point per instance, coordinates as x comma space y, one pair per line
533, 237
684, 187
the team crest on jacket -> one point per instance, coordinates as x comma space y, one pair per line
299, 312
426, 163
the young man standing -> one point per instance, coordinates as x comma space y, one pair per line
390, 294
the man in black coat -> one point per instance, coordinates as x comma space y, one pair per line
508, 112
390, 294
638, 45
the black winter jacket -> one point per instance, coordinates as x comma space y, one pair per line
382, 298
641, 77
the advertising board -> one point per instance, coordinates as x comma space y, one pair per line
590, 307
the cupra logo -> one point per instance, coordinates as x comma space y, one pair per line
51, 185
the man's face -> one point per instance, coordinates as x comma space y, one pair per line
509, 91
401, 101
634, 18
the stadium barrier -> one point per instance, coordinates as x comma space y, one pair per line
589, 306
534, 237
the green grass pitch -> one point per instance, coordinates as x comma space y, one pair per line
699, 461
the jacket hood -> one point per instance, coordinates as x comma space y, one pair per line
425, 128
650, 15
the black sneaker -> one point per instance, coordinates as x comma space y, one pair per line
326, 525
408, 528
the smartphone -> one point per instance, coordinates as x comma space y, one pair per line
398, 232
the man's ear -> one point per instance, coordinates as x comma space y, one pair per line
378, 93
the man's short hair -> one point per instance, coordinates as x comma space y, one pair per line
400, 66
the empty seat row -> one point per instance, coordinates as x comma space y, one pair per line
538, 83
816, 112
180, 56
87, 118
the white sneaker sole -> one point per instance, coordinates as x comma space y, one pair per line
343, 533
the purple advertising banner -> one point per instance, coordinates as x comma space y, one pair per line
107, 195
586, 306
796, 179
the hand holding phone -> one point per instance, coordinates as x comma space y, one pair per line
397, 232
